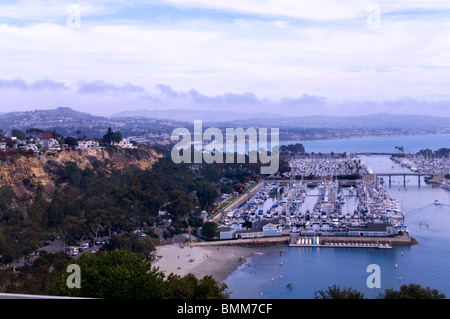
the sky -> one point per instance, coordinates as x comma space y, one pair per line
290, 57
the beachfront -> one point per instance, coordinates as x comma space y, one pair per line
218, 259
202, 261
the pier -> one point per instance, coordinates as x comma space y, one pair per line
351, 242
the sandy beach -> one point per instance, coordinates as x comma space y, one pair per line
217, 261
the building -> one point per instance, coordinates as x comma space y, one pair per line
240, 188
2, 145
371, 230
88, 144
49, 144
256, 177
124, 143
250, 233
269, 228
226, 232
32, 147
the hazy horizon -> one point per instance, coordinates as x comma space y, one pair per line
293, 58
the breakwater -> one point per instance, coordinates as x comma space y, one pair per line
255, 242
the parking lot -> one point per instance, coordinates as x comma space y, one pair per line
92, 247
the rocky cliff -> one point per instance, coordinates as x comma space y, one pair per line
24, 173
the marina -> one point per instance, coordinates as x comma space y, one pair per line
293, 208
314, 267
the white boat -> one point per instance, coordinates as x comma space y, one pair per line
436, 202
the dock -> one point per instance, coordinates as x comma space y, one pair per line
351, 242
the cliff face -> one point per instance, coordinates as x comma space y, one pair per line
23, 173
110, 159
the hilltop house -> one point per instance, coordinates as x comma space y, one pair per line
88, 144
49, 144
124, 143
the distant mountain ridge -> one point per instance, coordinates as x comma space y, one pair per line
67, 121
191, 115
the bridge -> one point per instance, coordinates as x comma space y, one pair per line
379, 153
390, 174
352, 182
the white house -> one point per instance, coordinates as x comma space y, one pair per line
88, 144
32, 147
50, 144
2, 145
124, 143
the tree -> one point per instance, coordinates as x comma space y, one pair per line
412, 291
400, 148
335, 292
95, 220
9, 142
70, 141
210, 230
189, 287
111, 136
34, 132
226, 189
117, 274
19, 134
206, 194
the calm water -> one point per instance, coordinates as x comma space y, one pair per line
411, 144
313, 269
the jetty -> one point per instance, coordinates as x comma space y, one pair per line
351, 242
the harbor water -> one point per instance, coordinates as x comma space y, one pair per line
310, 269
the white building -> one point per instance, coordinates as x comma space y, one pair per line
50, 144
32, 147
88, 144
124, 143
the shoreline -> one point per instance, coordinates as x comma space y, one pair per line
220, 259
203, 260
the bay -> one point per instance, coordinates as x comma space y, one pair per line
309, 270
411, 144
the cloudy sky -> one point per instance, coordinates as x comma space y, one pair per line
297, 57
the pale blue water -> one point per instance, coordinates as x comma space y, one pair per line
313, 269
411, 144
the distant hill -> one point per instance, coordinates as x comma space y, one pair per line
372, 121
39, 116
191, 115
67, 122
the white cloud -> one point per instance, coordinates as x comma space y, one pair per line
275, 49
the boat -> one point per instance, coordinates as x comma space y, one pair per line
436, 202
